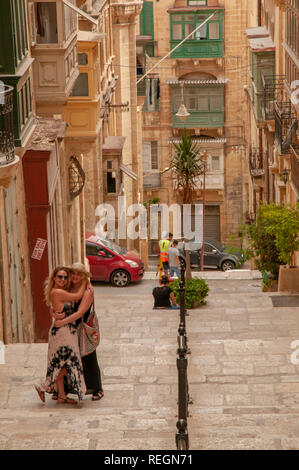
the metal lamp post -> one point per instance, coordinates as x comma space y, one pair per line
285, 175
204, 157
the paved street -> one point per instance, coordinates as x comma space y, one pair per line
244, 387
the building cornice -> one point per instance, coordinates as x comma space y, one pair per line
124, 12
177, 82
197, 8
281, 4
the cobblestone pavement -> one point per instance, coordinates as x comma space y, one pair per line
244, 387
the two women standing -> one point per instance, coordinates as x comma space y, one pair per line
68, 290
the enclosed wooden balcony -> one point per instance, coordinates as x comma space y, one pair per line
54, 28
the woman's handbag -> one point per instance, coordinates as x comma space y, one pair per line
89, 333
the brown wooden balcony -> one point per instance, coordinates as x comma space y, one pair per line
54, 48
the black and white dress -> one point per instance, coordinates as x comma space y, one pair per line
63, 351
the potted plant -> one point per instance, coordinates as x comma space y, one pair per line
258, 244
273, 239
196, 291
285, 229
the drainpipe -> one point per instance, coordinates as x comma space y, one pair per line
259, 13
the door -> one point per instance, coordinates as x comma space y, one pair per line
14, 262
98, 259
212, 222
194, 248
211, 255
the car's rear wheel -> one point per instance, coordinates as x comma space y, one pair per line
120, 278
228, 265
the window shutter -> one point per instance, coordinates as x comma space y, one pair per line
154, 155
147, 20
146, 156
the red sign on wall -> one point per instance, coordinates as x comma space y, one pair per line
39, 249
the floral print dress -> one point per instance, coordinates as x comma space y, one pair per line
63, 351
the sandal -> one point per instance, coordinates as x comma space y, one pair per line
61, 400
41, 394
54, 396
97, 396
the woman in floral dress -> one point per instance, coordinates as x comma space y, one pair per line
64, 361
82, 308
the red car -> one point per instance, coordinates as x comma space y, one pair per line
112, 263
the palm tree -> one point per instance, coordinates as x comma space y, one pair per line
187, 165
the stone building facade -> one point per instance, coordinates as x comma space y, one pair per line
211, 67
16, 128
274, 104
68, 146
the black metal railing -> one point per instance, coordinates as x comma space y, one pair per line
257, 161
273, 90
286, 125
182, 437
7, 154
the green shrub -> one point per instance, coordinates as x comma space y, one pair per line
196, 289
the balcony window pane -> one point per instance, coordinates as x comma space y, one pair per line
215, 164
83, 59
203, 103
176, 103
177, 32
214, 31
215, 103
192, 3
189, 18
46, 20
189, 27
154, 152
81, 86
70, 21
111, 182
201, 33
191, 103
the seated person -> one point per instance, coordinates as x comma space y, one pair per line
163, 295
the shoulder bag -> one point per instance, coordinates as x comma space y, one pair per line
89, 333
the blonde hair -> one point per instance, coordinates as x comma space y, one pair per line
49, 282
80, 268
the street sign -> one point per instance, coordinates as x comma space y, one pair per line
39, 249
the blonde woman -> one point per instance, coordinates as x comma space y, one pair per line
64, 361
82, 308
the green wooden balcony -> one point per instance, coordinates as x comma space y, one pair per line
199, 119
197, 49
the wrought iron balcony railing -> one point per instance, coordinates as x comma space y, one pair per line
6, 125
273, 90
256, 162
286, 125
